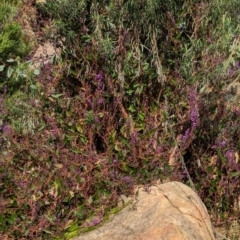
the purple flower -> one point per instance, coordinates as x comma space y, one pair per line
99, 76
134, 138
49, 78
209, 40
90, 103
6, 129
99, 79
28, 57
194, 117
186, 134
193, 108
223, 143
115, 160
95, 222
127, 179
55, 132
47, 66
229, 155
192, 96
100, 101
21, 184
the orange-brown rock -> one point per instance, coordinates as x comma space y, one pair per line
170, 211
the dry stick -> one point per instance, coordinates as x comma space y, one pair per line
184, 165
122, 109
158, 64
176, 141
235, 47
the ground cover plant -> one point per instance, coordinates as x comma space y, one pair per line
142, 91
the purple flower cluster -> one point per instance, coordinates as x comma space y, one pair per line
99, 78
230, 155
95, 222
115, 160
194, 116
134, 138
232, 162
100, 101
98, 219
127, 179
186, 134
55, 132
223, 144
2, 110
6, 129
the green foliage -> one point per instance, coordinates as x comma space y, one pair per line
210, 63
12, 42
13, 47
23, 113
67, 14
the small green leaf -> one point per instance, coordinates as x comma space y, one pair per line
81, 212
10, 72
36, 72
33, 87
101, 114
221, 156
10, 60
76, 150
141, 116
72, 227
23, 75
2, 68
126, 168
124, 141
56, 95
139, 90
151, 132
132, 109
69, 235
235, 174
49, 219
117, 146
42, 127
90, 200
47, 231
79, 128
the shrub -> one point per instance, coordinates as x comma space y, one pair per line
12, 42
13, 47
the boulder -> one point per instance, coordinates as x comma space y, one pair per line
169, 211
44, 54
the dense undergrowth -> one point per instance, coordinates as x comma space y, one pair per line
142, 91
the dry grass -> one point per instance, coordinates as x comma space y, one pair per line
228, 230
